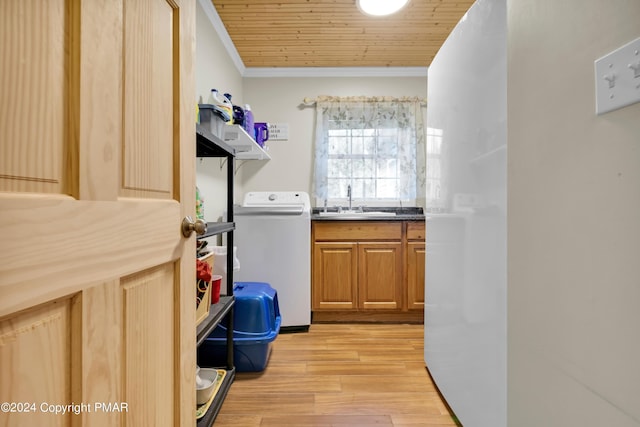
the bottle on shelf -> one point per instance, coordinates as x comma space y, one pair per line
248, 121
221, 101
238, 112
261, 133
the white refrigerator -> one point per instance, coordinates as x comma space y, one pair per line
465, 281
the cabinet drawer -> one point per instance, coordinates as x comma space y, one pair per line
415, 231
357, 230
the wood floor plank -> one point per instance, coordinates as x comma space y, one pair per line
376, 404
415, 366
285, 383
390, 357
429, 421
399, 346
264, 404
325, 355
328, 420
285, 368
308, 345
382, 383
340, 375
238, 420
355, 368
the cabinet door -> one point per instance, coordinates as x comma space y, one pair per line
380, 276
334, 276
97, 292
415, 275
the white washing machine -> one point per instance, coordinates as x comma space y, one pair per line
273, 237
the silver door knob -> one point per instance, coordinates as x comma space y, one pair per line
189, 226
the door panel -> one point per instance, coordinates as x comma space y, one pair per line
335, 275
149, 84
380, 275
35, 349
33, 101
148, 344
97, 284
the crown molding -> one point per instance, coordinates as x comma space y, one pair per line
218, 26
336, 72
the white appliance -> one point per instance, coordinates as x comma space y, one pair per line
466, 307
273, 237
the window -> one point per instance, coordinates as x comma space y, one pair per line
373, 146
366, 159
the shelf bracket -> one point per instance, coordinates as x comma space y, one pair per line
239, 164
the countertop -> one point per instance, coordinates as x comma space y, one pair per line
402, 214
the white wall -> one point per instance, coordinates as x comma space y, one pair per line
214, 69
574, 220
277, 100
214, 66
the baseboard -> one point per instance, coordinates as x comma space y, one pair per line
413, 317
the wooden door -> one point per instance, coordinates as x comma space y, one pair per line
335, 276
415, 275
380, 276
97, 159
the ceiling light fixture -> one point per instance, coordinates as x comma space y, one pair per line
381, 7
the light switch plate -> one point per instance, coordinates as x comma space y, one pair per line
618, 78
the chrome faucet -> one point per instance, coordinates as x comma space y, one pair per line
349, 195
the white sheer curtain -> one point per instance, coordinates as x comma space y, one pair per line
376, 145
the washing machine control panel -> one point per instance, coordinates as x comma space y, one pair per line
276, 198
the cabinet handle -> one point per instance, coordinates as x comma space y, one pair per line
189, 226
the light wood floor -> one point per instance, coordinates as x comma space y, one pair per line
339, 376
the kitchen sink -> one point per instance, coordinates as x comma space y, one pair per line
356, 214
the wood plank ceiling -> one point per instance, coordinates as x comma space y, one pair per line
334, 33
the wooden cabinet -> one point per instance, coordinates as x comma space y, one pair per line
415, 267
358, 271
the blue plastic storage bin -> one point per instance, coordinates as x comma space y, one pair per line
256, 324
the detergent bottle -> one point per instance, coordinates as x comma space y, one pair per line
238, 112
221, 102
248, 121
261, 133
